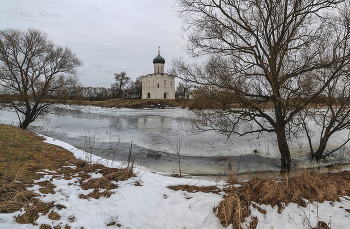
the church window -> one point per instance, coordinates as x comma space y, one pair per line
148, 95
161, 69
164, 95
158, 85
171, 83
164, 82
149, 82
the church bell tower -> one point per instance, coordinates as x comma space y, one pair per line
159, 63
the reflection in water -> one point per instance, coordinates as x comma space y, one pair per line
159, 123
122, 123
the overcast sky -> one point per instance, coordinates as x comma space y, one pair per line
108, 36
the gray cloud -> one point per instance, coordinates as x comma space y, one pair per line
107, 36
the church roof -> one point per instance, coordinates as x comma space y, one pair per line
159, 60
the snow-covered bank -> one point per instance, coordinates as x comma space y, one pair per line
153, 205
334, 214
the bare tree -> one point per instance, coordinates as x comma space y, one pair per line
262, 54
331, 116
175, 145
134, 90
182, 89
121, 81
31, 69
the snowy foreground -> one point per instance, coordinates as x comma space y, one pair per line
153, 205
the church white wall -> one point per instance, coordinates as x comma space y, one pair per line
157, 84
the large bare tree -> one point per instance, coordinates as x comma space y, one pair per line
263, 55
31, 69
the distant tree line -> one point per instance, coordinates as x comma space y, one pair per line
124, 87
75, 91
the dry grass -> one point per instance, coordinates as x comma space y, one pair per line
239, 196
234, 209
190, 188
116, 174
54, 216
47, 187
23, 154
312, 186
31, 211
199, 103
133, 103
96, 194
46, 226
113, 223
13, 197
98, 183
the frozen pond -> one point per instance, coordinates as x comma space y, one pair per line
109, 132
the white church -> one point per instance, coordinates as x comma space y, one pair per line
158, 85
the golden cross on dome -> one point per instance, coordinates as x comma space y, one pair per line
158, 50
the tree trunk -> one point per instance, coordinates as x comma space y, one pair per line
25, 123
318, 153
281, 135
284, 151
29, 116
120, 89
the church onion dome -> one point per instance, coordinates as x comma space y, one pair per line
158, 60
